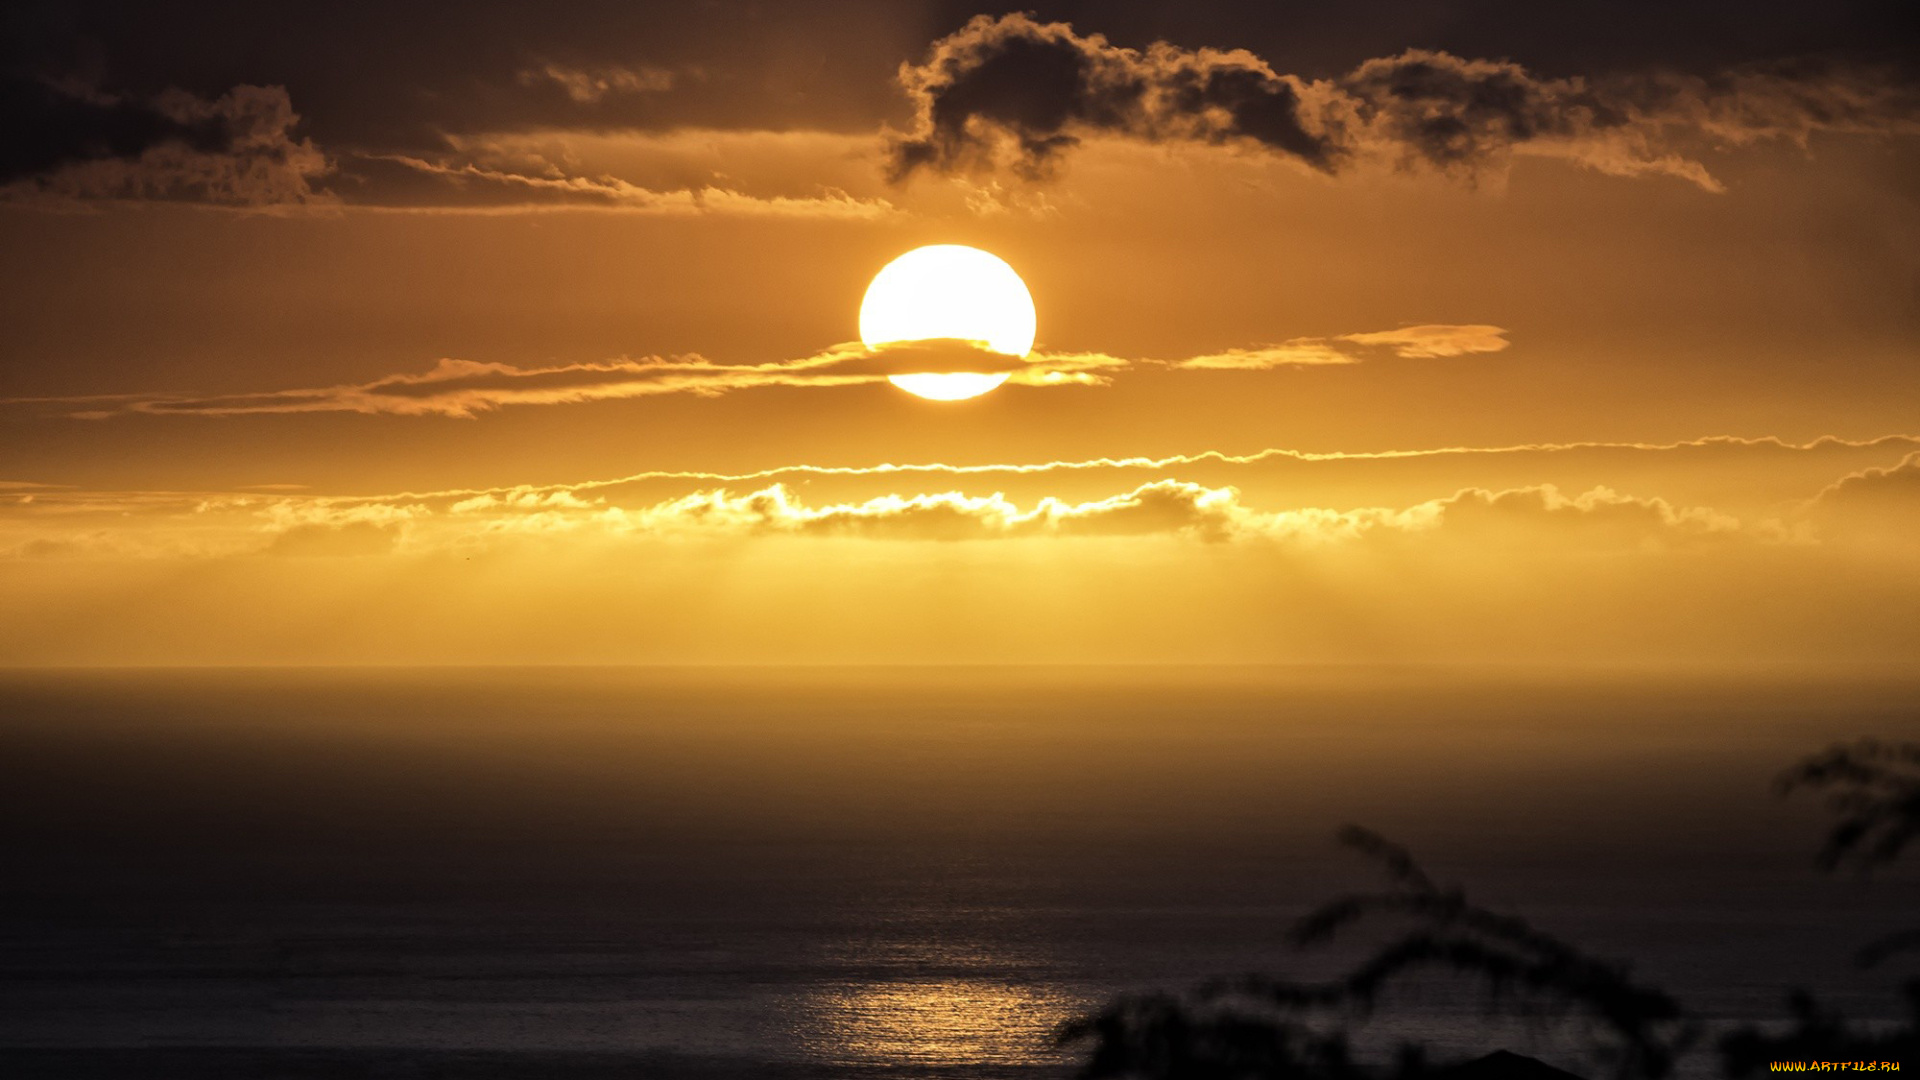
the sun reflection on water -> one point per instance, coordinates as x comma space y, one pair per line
946, 1022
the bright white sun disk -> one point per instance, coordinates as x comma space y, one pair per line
949, 385
949, 291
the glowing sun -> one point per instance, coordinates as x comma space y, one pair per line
952, 293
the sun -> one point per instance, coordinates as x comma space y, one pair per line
949, 292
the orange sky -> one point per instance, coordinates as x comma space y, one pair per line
535, 388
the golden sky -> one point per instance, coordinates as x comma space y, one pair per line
1382, 337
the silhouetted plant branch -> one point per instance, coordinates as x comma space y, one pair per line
1261, 1026
1817, 1035
1258, 1026
1875, 788
1642, 1030
1877, 950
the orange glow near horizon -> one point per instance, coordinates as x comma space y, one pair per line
540, 545
588, 364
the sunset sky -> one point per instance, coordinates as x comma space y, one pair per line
1378, 332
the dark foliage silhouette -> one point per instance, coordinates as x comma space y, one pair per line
1259, 1026
1874, 787
1874, 790
1817, 1035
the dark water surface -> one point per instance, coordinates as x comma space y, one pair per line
861, 872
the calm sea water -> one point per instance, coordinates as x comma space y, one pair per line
863, 872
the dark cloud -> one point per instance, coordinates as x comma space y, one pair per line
48, 127
67, 143
390, 78
1448, 113
1016, 92
378, 83
1567, 36
395, 78
1039, 86
1434, 110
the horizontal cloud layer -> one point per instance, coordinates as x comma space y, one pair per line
465, 388
1175, 509
1152, 569
1168, 508
1445, 508
1014, 92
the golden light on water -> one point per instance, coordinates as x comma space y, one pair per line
952, 292
948, 1022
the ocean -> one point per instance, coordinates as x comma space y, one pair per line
872, 872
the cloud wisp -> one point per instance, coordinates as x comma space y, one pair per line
471, 188
465, 388
1016, 93
1426, 342
587, 86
